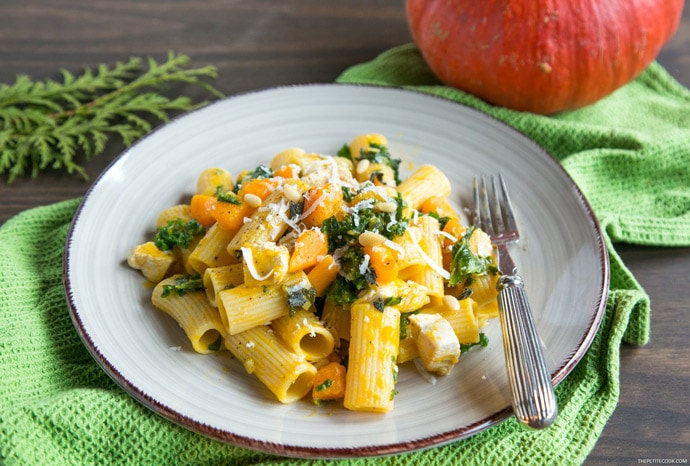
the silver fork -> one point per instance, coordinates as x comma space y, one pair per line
532, 393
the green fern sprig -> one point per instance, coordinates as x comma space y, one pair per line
47, 124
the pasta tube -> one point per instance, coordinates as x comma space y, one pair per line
287, 374
199, 320
303, 333
246, 306
337, 318
432, 275
213, 181
266, 224
427, 181
217, 279
372, 369
211, 250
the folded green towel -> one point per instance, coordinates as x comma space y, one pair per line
629, 154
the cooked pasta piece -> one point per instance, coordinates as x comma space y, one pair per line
290, 156
363, 142
427, 181
484, 288
337, 318
221, 278
173, 213
410, 257
245, 306
303, 333
287, 374
214, 181
372, 368
211, 250
432, 274
192, 311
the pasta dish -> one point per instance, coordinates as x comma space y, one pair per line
322, 274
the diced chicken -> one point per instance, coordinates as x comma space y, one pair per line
153, 263
480, 243
439, 348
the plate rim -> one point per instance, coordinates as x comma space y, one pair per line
299, 451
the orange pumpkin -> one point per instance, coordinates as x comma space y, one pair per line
541, 56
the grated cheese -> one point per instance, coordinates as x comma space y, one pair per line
249, 260
364, 265
335, 173
282, 214
437, 268
448, 235
313, 206
396, 247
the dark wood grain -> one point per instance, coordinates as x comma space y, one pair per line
261, 43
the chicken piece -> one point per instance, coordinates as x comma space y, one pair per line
439, 348
480, 243
153, 263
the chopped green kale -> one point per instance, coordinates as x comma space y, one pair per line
364, 218
378, 153
442, 221
465, 262
183, 285
300, 297
405, 324
345, 152
215, 346
352, 268
483, 342
341, 291
178, 232
227, 196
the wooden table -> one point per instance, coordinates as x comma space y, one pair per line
261, 43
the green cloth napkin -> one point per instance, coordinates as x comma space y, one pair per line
629, 154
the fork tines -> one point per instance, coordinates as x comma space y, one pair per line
493, 210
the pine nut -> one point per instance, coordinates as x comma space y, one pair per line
362, 166
451, 302
252, 200
389, 207
369, 238
291, 193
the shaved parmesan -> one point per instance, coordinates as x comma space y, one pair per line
395, 247
436, 267
249, 262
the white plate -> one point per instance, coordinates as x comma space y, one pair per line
562, 259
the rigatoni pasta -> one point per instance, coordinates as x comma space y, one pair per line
322, 274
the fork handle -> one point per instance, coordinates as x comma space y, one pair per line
532, 393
